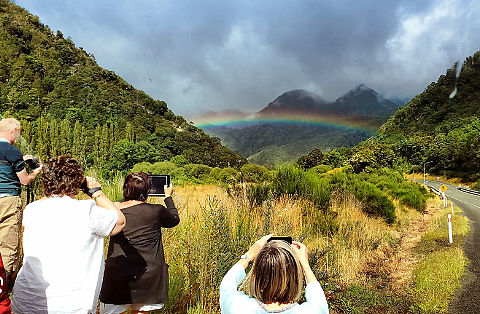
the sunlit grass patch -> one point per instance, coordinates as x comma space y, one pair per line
346, 244
437, 277
357, 299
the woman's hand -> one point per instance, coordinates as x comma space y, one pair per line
257, 246
302, 254
168, 190
27, 157
254, 249
301, 250
92, 182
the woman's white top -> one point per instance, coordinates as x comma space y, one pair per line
233, 301
63, 260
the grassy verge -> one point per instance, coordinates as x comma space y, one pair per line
434, 275
442, 264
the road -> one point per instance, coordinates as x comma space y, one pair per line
467, 298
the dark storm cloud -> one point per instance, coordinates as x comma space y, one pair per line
216, 54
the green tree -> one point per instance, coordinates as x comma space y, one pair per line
254, 173
179, 160
314, 158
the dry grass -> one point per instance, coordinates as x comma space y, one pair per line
430, 177
217, 226
361, 248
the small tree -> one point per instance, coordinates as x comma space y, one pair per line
311, 160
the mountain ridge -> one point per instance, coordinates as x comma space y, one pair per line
297, 121
298, 101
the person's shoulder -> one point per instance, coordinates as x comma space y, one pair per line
242, 303
7, 145
9, 148
150, 207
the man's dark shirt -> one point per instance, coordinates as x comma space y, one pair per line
11, 162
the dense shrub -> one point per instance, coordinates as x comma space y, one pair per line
257, 193
373, 200
197, 173
476, 186
254, 173
294, 181
162, 167
288, 180
320, 169
179, 161
393, 183
228, 176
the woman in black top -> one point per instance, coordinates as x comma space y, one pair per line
135, 271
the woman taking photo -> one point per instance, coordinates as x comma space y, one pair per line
275, 282
63, 247
136, 274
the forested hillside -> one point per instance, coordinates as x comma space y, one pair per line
68, 104
439, 127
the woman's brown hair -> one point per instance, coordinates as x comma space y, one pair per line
61, 176
276, 274
136, 187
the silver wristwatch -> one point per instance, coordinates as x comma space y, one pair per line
245, 257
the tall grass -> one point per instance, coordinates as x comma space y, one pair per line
217, 227
219, 224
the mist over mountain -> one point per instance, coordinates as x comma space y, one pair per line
363, 101
297, 100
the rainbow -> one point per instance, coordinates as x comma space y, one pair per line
366, 124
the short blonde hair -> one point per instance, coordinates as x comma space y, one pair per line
8, 124
276, 274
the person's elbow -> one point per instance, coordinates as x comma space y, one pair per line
176, 220
23, 177
118, 226
172, 221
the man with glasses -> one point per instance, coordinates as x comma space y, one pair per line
12, 175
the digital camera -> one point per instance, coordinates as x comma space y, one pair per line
33, 163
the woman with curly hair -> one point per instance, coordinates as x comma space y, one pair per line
63, 245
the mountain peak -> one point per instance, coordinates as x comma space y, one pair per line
294, 100
363, 101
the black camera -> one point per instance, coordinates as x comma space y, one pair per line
287, 239
33, 163
84, 186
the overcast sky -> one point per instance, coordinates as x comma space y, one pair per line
201, 55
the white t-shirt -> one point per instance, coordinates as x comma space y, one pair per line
63, 260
